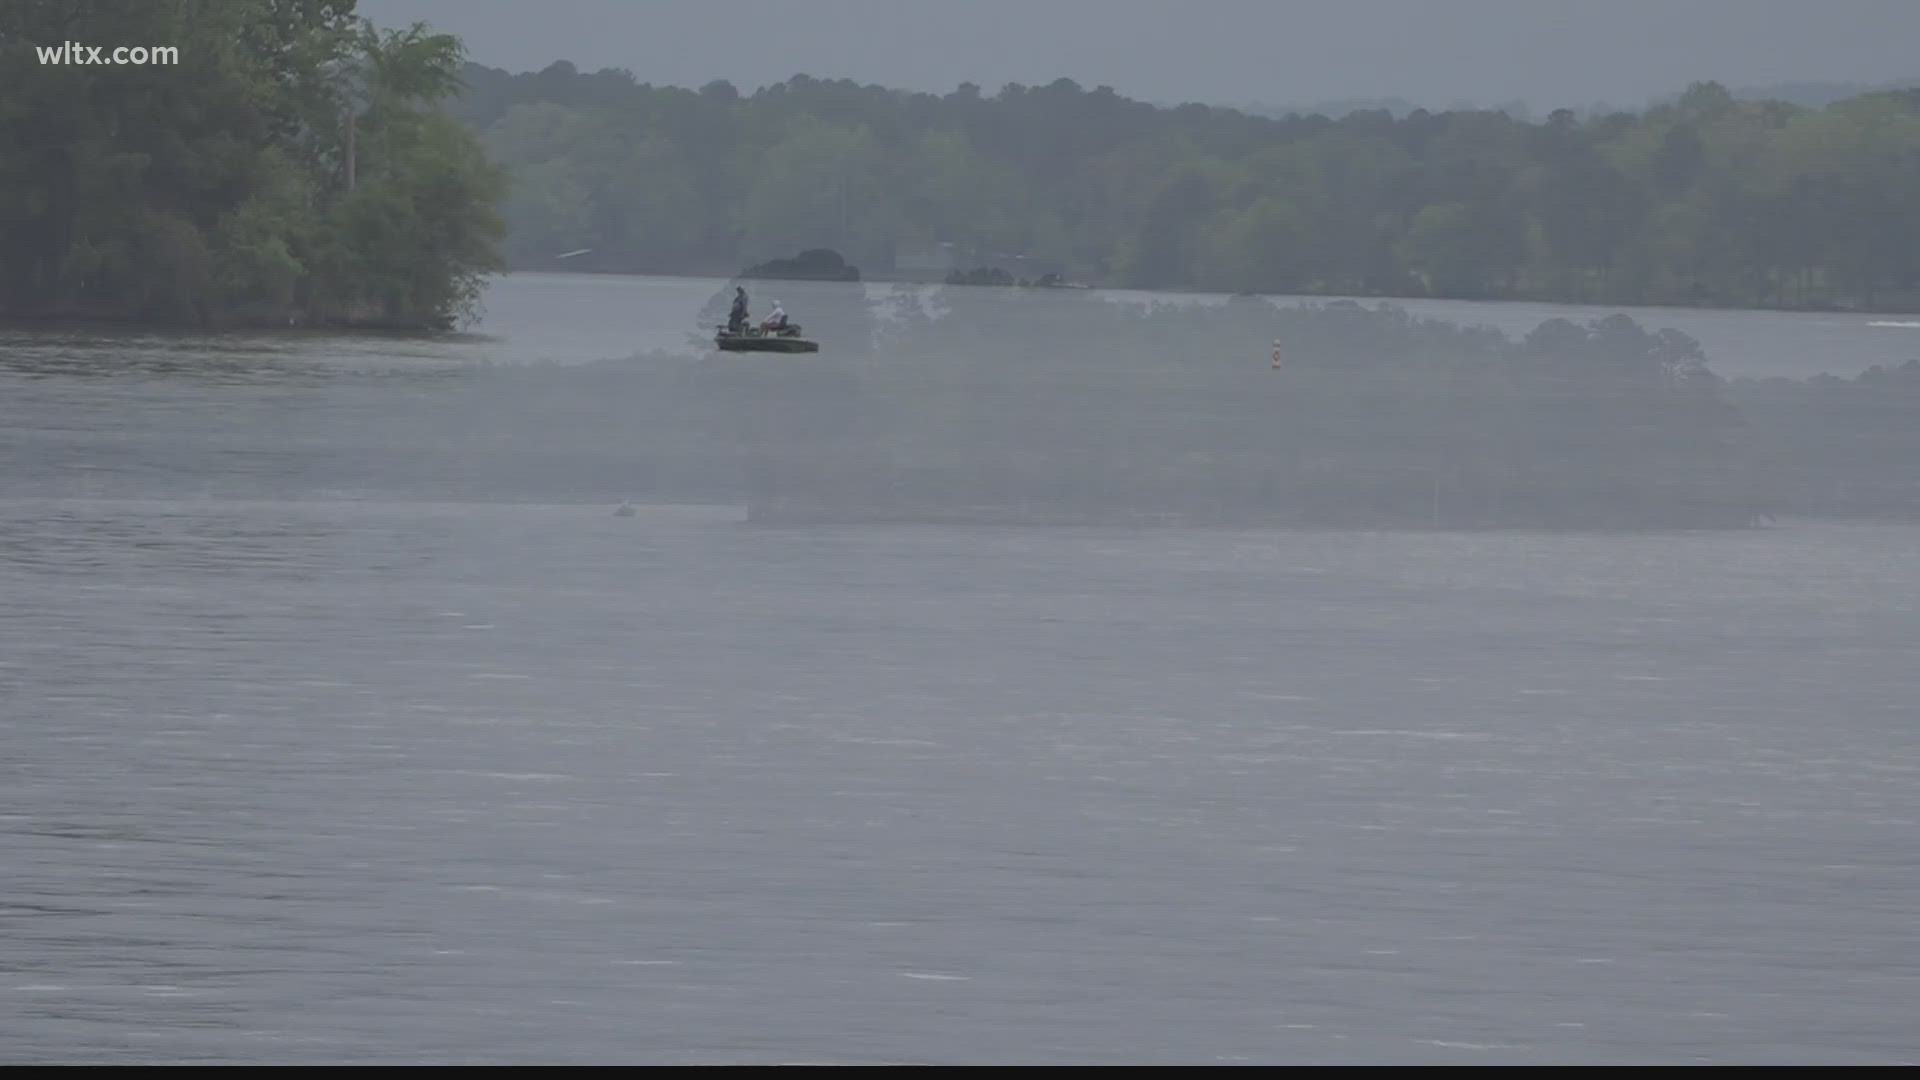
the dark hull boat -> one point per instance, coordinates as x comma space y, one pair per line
753, 339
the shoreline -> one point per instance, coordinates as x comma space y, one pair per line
255, 320
889, 278
66, 323
282, 322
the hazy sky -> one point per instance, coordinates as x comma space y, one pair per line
1433, 52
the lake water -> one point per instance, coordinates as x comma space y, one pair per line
328, 733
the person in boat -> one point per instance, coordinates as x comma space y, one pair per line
777, 320
737, 318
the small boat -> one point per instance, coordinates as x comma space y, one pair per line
754, 339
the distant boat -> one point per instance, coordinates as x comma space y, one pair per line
571, 254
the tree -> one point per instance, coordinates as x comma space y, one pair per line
228, 188
1705, 199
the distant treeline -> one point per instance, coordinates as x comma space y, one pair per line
294, 168
1705, 200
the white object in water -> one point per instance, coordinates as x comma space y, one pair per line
625, 510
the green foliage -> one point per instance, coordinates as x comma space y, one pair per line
294, 165
1708, 199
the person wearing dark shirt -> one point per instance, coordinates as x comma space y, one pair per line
737, 318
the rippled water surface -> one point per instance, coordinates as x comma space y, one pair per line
328, 733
